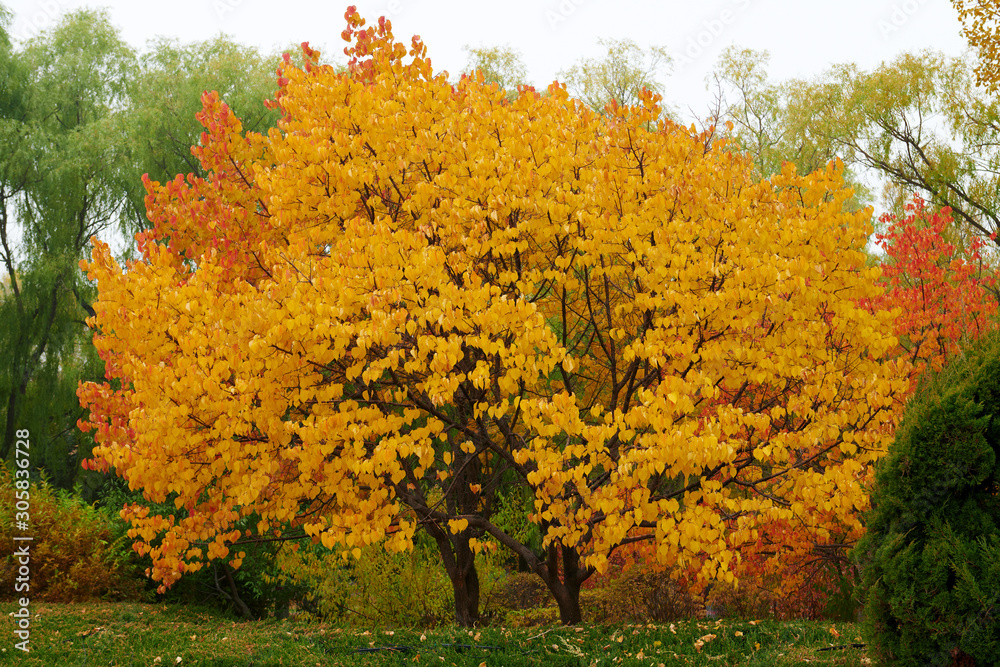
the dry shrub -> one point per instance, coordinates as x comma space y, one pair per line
520, 591
639, 595
77, 553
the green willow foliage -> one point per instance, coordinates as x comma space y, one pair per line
82, 118
58, 186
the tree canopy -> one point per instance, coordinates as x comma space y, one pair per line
415, 293
918, 122
620, 76
980, 26
501, 65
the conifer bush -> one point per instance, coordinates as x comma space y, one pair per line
931, 556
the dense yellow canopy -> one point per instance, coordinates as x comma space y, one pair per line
413, 293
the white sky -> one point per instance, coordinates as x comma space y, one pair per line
804, 37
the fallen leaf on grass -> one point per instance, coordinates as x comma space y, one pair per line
702, 641
833, 631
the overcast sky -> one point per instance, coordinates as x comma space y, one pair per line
803, 37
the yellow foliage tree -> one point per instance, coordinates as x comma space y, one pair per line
413, 294
981, 26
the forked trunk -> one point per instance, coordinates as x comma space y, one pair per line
565, 589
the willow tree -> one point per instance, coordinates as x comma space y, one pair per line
58, 187
165, 98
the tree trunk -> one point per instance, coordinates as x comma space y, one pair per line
460, 564
568, 599
10, 426
466, 591
565, 589
233, 596
564, 585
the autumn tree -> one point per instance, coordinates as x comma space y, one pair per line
942, 289
920, 124
413, 294
941, 286
980, 26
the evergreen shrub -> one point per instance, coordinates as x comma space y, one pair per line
931, 555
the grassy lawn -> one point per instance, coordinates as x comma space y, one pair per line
143, 634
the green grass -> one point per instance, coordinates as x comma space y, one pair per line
146, 634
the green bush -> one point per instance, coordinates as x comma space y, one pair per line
77, 553
931, 556
381, 587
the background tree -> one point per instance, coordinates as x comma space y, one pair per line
942, 290
620, 75
84, 119
918, 123
777, 123
501, 65
165, 98
61, 186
